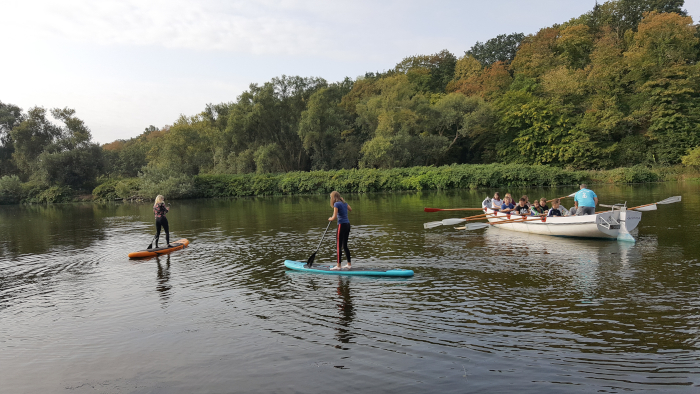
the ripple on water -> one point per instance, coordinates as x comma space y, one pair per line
486, 310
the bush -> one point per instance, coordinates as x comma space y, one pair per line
692, 159
10, 189
165, 181
53, 194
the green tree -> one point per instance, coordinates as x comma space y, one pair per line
430, 73
502, 48
325, 130
10, 116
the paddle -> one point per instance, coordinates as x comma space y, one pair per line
451, 209
652, 206
150, 246
313, 256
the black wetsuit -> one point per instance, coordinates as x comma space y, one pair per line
161, 221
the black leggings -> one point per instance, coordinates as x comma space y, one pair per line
341, 241
162, 221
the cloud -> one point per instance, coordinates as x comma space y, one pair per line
261, 27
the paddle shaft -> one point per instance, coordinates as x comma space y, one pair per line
324, 236
451, 209
150, 246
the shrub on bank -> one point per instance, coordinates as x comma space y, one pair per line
346, 181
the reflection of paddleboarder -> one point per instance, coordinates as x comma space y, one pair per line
346, 311
159, 209
340, 211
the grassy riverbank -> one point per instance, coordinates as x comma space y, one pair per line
373, 180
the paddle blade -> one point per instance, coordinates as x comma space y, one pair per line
311, 260
150, 246
651, 207
431, 225
670, 200
432, 209
450, 222
475, 226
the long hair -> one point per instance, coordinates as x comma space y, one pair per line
159, 200
335, 197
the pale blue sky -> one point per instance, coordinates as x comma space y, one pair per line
124, 65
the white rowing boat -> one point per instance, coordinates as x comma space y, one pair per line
614, 224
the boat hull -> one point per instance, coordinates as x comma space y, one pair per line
601, 225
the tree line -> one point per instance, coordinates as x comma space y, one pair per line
618, 86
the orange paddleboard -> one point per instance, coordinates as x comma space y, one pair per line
177, 245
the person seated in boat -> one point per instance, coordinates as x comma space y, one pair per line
557, 209
543, 204
507, 204
522, 208
496, 201
536, 209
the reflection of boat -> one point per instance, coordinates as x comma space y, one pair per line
614, 224
583, 262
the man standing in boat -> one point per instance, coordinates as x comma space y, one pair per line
585, 201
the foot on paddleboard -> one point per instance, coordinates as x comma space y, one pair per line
347, 267
336, 268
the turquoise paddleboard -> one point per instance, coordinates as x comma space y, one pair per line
326, 269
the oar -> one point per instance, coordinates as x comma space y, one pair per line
652, 206
476, 226
313, 256
451, 209
451, 222
570, 195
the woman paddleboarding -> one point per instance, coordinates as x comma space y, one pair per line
160, 209
340, 211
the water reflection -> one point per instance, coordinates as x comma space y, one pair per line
586, 262
346, 312
163, 285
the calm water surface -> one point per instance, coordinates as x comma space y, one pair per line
487, 311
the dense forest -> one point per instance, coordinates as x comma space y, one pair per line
616, 87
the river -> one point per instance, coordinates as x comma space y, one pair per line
487, 310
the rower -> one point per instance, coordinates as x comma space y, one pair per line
556, 210
507, 204
522, 208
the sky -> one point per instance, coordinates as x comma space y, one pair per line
127, 64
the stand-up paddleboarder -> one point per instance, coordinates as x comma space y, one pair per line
159, 210
340, 211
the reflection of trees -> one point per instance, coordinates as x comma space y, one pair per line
346, 311
163, 285
36, 229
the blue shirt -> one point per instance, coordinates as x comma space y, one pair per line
342, 212
584, 197
507, 206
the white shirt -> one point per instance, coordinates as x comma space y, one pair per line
496, 203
